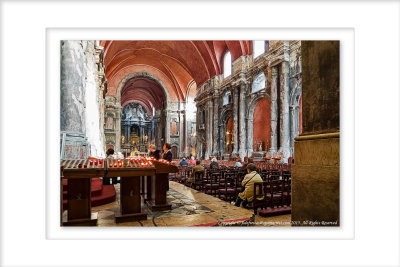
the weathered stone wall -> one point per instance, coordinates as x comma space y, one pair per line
81, 126
321, 99
281, 67
316, 173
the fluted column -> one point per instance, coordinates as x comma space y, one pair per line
242, 121
182, 133
274, 109
198, 137
284, 111
209, 128
215, 125
235, 120
167, 126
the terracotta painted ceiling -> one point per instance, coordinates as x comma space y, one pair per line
180, 65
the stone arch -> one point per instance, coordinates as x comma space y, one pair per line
121, 85
250, 113
144, 75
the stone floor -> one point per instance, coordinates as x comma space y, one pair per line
189, 207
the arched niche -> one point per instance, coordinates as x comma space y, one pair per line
259, 121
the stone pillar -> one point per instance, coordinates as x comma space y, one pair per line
72, 117
284, 111
209, 128
242, 121
167, 126
274, 109
216, 151
235, 111
118, 128
182, 133
315, 174
249, 136
292, 128
198, 137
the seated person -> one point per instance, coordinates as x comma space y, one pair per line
214, 163
238, 163
248, 183
197, 168
192, 160
183, 162
244, 167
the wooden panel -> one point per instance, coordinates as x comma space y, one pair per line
130, 195
79, 199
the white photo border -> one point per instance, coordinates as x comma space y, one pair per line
346, 229
26, 237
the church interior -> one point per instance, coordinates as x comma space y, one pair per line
171, 133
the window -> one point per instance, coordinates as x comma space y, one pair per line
258, 83
227, 64
227, 98
258, 48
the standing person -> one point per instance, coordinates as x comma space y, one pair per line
248, 183
154, 152
110, 155
192, 160
214, 163
167, 155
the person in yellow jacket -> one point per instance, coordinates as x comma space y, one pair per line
248, 182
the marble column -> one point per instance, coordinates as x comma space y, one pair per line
216, 151
235, 96
198, 137
292, 128
250, 135
167, 126
118, 129
209, 128
274, 109
284, 111
72, 113
242, 121
182, 133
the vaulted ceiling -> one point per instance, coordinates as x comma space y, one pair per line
180, 66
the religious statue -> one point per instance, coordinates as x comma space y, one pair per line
123, 139
110, 123
260, 144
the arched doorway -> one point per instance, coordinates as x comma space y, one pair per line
262, 126
229, 144
259, 136
145, 99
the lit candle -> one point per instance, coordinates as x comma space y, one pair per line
115, 164
110, 164
80, 165
101, 161
91, 162
95, 162
85, 166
